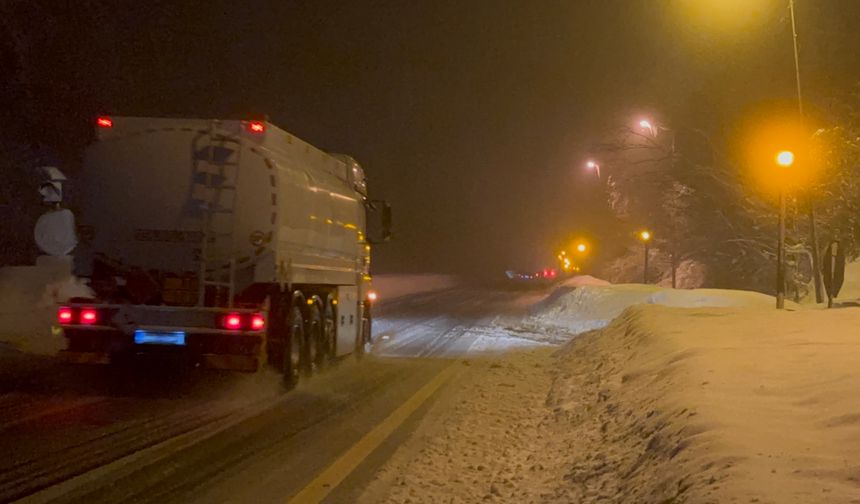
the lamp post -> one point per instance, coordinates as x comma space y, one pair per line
653, 129
813, 236
645, 237
593, 165
784, 159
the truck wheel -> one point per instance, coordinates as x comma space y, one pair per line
329, 336
314, 353
293, 349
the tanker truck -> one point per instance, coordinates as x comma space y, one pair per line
229, 244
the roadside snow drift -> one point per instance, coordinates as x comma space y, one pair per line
592, 305
715, 405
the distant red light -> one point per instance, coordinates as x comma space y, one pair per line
89, 316
258, 322
104, 122
256, 127
65, 315
372, 296
232, 321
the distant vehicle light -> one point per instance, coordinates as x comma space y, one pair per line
89, 316
104, 122
65, 315
258, 322
232, 321
372, 296
256, 127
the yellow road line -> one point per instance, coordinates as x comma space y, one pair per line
322, 485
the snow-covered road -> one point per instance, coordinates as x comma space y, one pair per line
87, 435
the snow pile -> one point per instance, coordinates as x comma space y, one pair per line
714, 405
28, 298
593, 307
395, 286
583, 281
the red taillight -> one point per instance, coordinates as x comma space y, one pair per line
88, 316
65, 315
232, 321
256, 127
104, 122
258, 322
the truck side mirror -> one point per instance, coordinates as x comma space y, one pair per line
378, 221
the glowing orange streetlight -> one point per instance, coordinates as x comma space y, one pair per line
581, 248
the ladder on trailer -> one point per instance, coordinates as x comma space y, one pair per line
216, 175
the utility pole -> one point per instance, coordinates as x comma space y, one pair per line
813, 235
780, 255
645, 270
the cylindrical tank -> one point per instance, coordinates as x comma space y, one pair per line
282, 209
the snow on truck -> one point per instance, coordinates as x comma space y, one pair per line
229, 243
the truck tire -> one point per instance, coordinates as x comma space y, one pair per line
314, 353
294, 348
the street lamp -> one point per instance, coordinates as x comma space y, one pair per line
784, 159
581, 248
653, 129
592, 165
645, 237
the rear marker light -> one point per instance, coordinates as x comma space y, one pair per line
258, 322
89, 316
104, 122
256, 127
232, 321
65, 315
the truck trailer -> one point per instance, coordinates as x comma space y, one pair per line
231, 244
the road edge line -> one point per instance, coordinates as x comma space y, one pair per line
332, 476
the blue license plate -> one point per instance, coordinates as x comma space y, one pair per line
159, 337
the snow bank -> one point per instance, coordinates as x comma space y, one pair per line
584, 280
594, 306
394, 286
28, 298
714, 405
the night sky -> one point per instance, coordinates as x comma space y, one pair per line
473, 118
